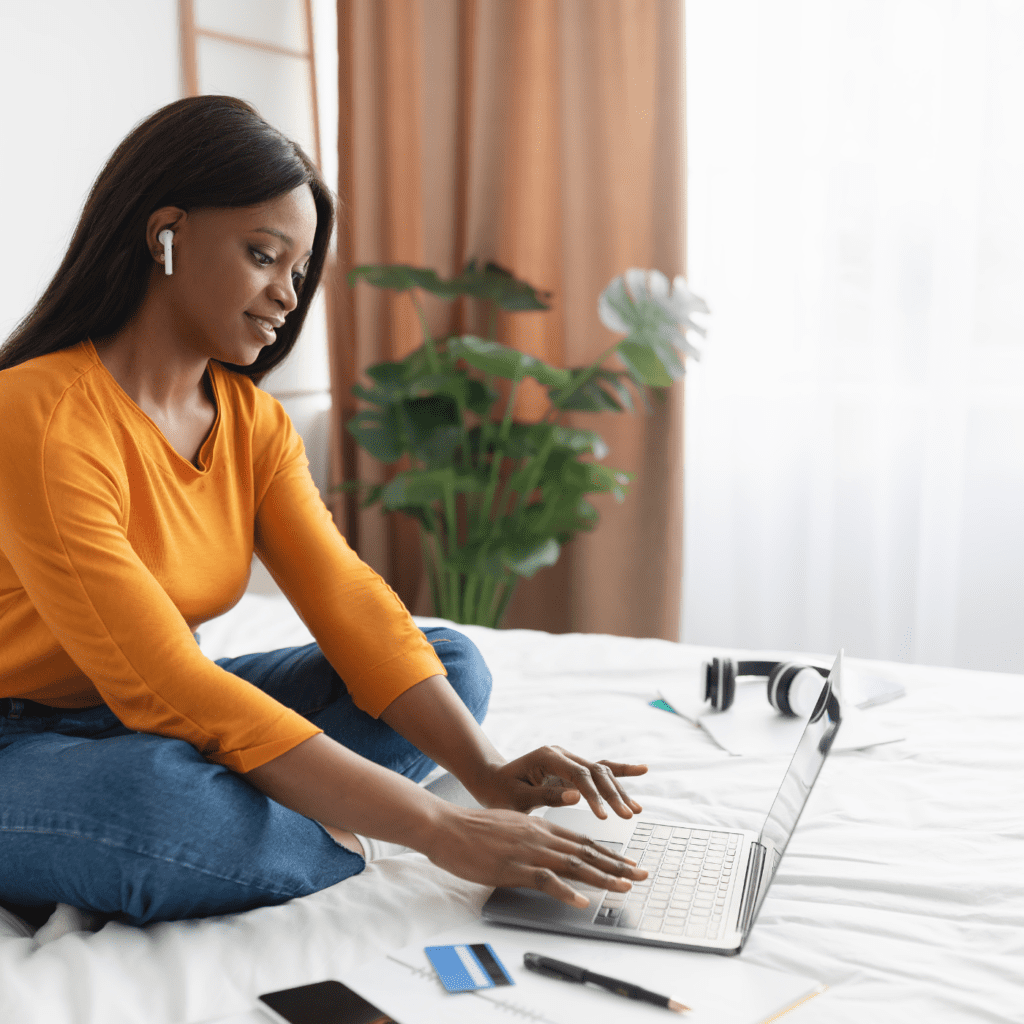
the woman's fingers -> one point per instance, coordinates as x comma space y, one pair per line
593, 853
615, 770
609, 788
594, 867
622, 768
597, 781
597, 860
555, 776
580, 777
574, 773
580, 859
547, 881
500, 847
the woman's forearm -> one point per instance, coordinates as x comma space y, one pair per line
326, 781
432, 717
329, 783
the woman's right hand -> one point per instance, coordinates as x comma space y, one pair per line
496, 847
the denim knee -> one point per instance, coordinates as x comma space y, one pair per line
468, 673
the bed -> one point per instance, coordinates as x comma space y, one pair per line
902, 888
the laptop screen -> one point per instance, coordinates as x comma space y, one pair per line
808, 758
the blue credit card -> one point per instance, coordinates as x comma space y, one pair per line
469, 967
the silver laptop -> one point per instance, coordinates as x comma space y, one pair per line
705, 885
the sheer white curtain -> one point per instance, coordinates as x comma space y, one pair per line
855, 431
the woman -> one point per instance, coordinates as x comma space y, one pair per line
141, 468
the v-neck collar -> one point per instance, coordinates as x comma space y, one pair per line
205, 449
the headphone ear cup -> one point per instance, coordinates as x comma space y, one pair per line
728, 683
720, 683
804, 690
779, 682
711, 681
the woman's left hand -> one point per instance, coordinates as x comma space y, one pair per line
553, 777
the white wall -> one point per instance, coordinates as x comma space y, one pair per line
74, 79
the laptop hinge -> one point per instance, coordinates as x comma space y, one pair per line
751, 884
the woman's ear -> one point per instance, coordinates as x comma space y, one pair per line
167, 218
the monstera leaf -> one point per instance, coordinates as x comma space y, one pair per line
655, 316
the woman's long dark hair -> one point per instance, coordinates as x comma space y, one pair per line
195, 153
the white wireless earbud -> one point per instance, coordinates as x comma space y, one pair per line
167, 237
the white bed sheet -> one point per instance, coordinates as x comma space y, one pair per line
902, 888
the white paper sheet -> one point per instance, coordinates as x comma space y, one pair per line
722, 990
753, 727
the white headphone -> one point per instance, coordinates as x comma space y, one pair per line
793, 689
166, 237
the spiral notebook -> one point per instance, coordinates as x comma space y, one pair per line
717, 989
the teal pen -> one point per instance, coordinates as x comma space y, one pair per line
580, 975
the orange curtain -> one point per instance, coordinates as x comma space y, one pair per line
546, 135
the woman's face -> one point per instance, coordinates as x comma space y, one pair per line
237, 273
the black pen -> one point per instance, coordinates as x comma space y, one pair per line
580, 975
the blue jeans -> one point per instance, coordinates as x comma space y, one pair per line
142, 827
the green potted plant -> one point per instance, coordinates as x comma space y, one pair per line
496, 499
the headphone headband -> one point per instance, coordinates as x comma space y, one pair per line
765, 668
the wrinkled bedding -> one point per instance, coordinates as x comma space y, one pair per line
902, 888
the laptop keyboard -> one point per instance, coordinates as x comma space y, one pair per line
687, 886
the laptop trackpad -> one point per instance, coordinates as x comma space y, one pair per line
526, 905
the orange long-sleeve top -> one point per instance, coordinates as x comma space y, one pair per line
114, 549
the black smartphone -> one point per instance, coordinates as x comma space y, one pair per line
325, 1002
